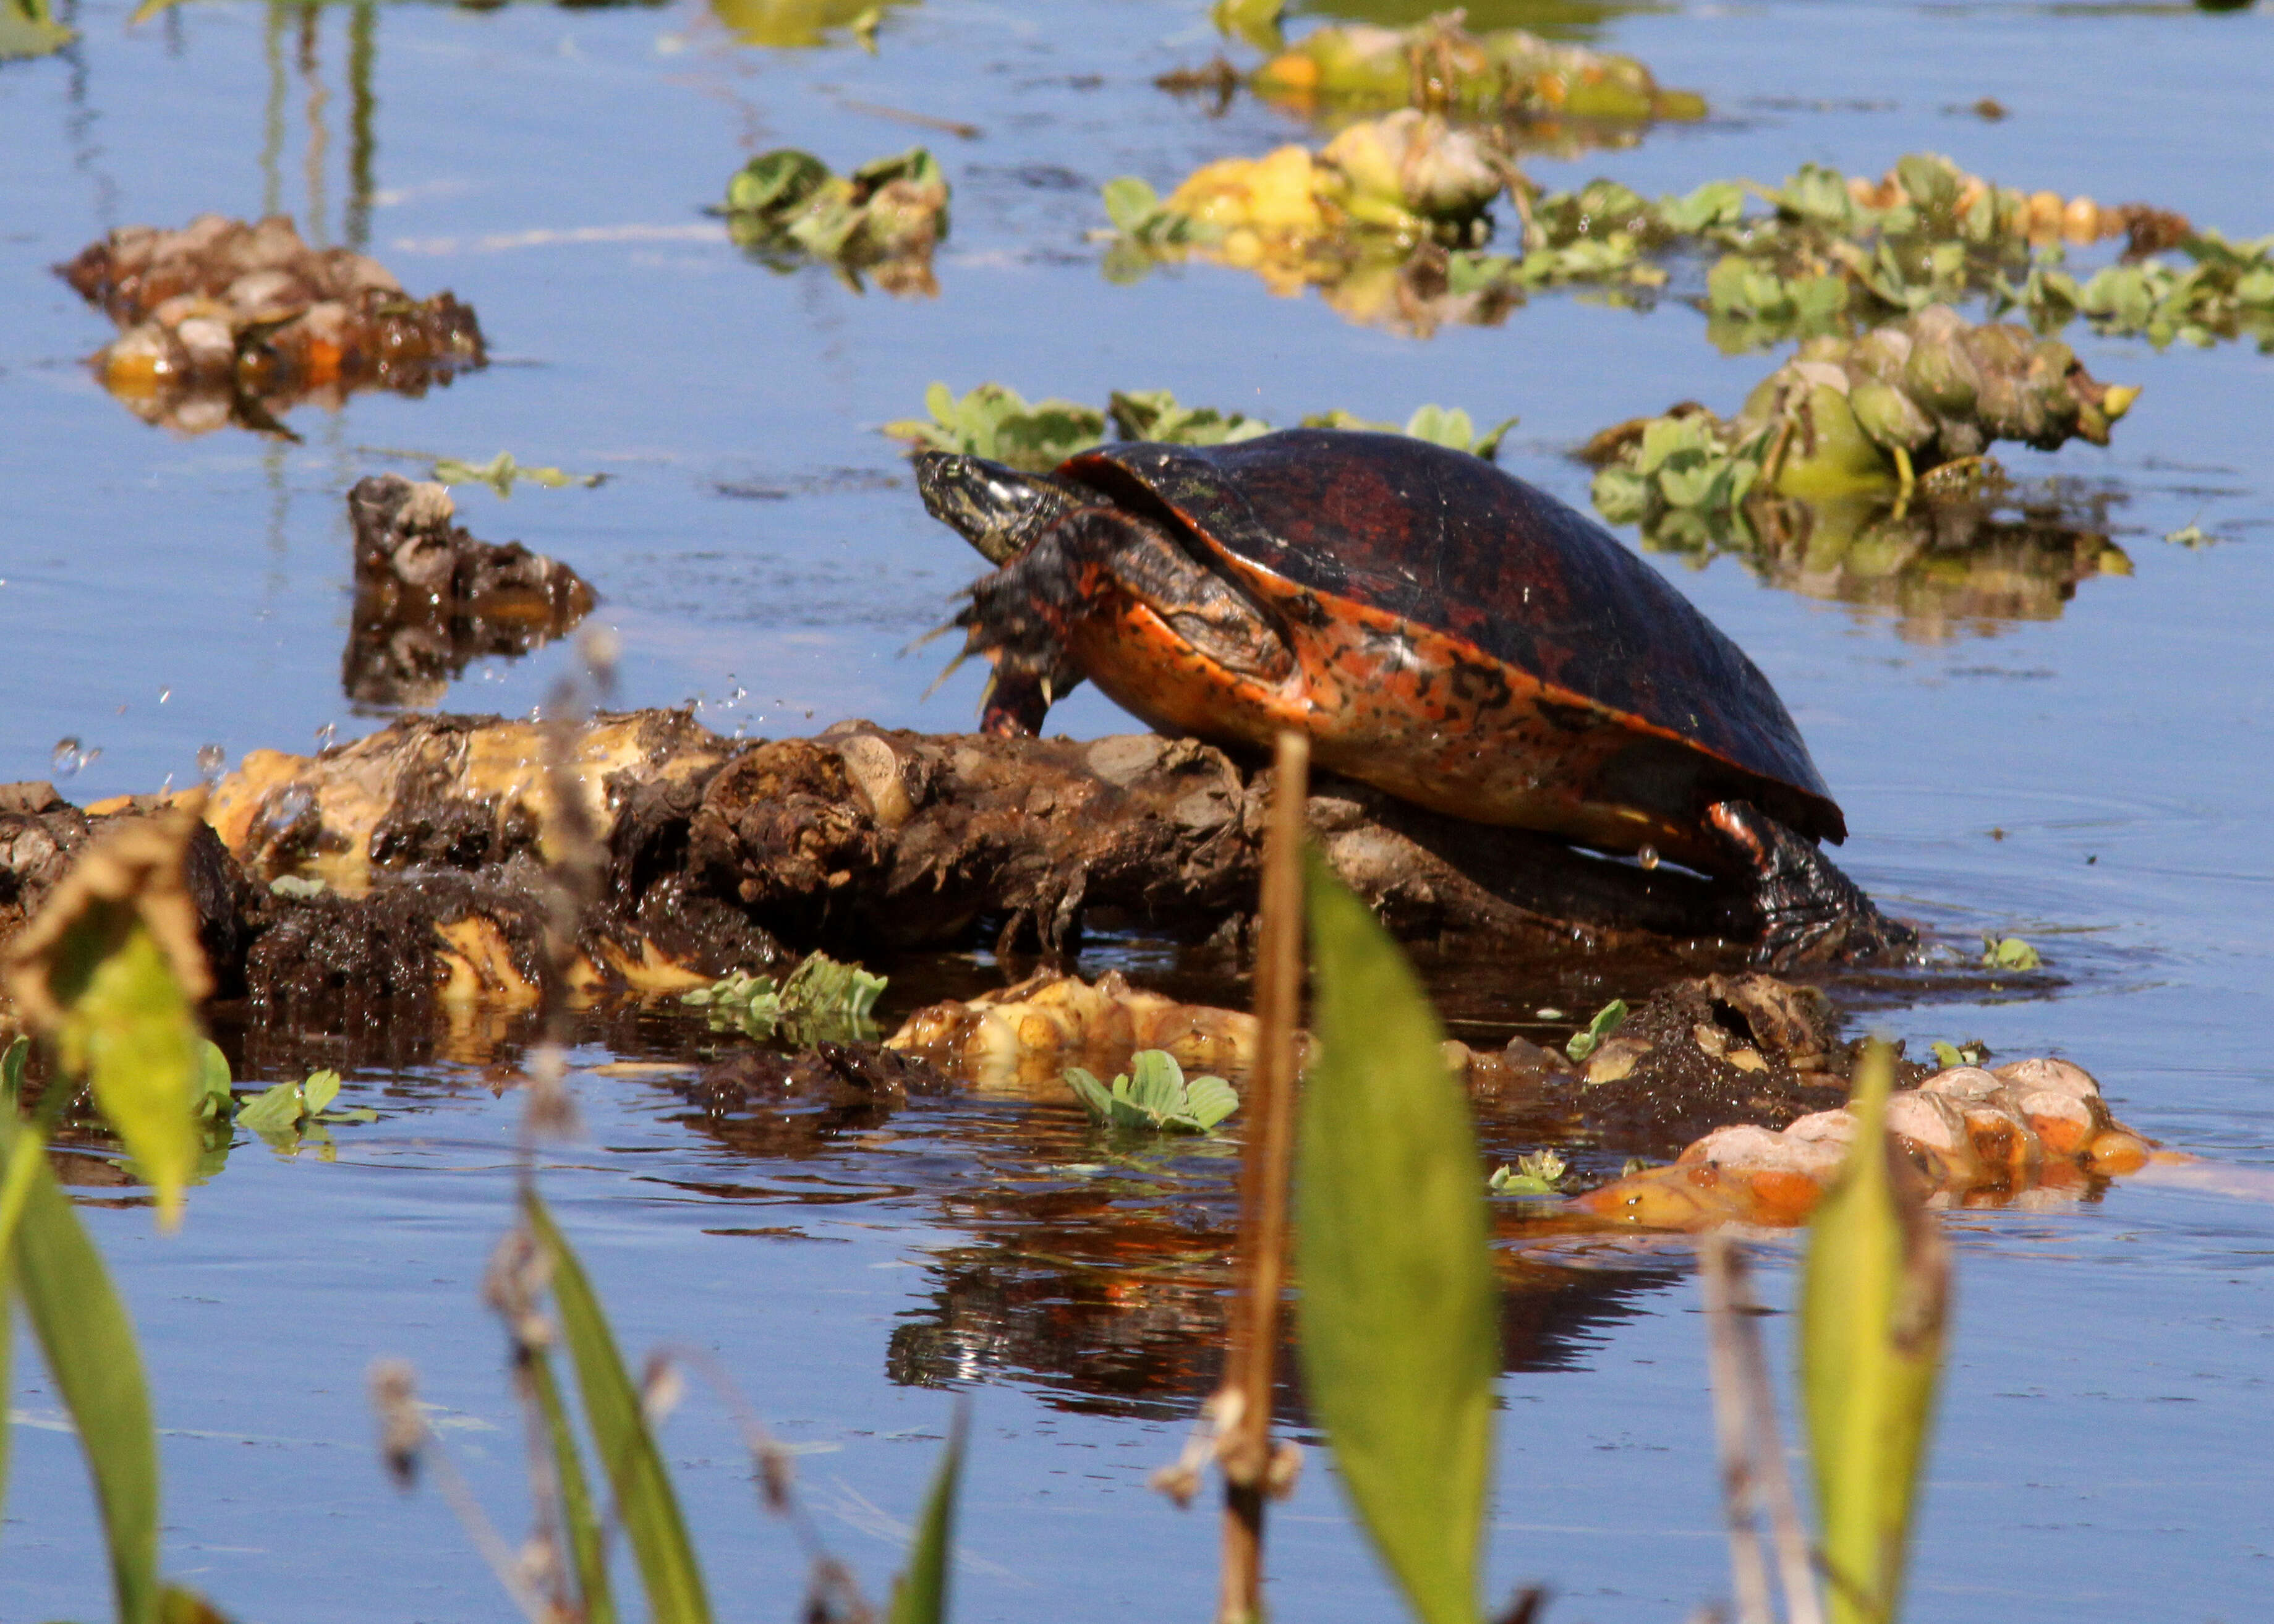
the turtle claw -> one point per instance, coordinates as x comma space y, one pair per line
1807, 912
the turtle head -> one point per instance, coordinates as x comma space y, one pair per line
996, 510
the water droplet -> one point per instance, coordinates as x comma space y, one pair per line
165, 694
324, 735
66, 758
1647, 857
1550, 1014
210, 757
290, 805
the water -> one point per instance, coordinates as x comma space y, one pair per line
2093, 780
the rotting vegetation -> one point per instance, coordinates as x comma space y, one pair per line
430, 598
224, 321
785, 208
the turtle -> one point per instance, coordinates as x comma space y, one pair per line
1437, 627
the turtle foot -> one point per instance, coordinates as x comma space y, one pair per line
1807, 911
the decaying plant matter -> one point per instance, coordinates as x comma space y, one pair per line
886, 217
224, 321
430, 598
2032, 1131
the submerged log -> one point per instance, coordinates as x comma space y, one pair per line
425, 857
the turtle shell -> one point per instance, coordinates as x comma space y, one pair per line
1470, 642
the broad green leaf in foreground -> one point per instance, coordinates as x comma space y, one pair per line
1874, 1295
920, 1594
1400, 1342
645, 1502
88, 1344
134, 1034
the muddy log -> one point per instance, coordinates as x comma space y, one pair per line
421, 859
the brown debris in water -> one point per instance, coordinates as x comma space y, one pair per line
2030, 1133
225, 321
1032, 1033
430, 598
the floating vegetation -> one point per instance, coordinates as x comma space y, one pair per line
1835, 253
501, 473
1154, 1096
2010, 953
886, 217
1538, 1173
430, 598
820, 999
1847, 418
1384, 220
998, 423
226, 322
1440, 66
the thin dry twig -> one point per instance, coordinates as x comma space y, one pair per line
1251, 1468
1755, 1480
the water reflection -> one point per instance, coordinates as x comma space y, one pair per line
1941, 570
1577, 21
794, 23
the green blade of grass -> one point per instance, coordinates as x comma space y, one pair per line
88, 1343
588, 1547
1874, 1296
1400, 1342
920, 1594
645, 1502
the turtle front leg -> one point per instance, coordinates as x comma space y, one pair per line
1809, 912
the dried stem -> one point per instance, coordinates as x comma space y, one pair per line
1755, 1479
1244, 1406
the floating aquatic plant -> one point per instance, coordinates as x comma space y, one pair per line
1155, 1095
819, 998
999, 424
884, 217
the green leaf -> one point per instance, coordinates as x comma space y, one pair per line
920, 1594
214, 1097
588, 1543
1209, 1100
501, 470
1399, 1339
275, 1110
645, 1502
1130, 204
11, 1071
1874, 1294
1946, 1055
321, 1089
88, 1345
132, 1030
1606, 1021
1091, 1094
2010, 953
